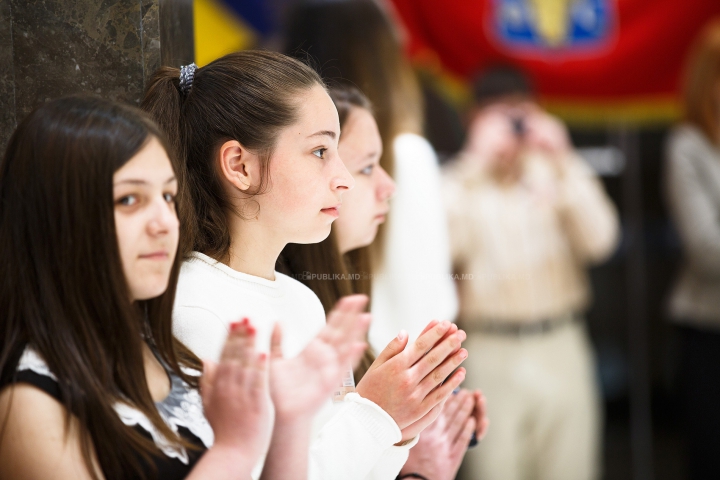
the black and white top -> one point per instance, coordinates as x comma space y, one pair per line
182, 411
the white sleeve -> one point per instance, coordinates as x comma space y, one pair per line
389, 465
200, 330
358, 444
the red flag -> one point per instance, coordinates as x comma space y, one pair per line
590, 60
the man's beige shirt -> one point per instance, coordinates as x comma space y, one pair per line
524, 248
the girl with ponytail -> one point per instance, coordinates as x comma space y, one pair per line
258, 136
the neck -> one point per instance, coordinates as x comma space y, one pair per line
254, 248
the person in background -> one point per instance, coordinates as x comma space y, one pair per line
692, 181
527, 217
356, 43
332, 268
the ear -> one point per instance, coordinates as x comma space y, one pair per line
239, 166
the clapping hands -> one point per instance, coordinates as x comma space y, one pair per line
299, 386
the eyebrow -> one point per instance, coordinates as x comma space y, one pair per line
132, 181
328, 133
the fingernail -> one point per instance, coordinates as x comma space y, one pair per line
463, 354
263, 356
234, 326
401, 335
245, 321
251, 330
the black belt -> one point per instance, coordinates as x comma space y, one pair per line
522, 329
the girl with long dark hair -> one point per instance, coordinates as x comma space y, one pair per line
258, 133
92, 382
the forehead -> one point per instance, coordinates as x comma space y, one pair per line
151, 163
316, 113
360, 132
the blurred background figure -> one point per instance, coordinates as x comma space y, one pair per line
527, 217
354, 42
693, 194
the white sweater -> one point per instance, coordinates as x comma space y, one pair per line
413, 286
352, 440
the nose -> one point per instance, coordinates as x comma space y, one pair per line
385, 185
163, 219
342, 179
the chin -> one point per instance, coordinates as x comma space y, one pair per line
315, 237
146, 292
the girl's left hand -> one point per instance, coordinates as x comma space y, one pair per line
442, 445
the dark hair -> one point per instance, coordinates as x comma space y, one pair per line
351, 271
248, 96
62, 287
702, 74
500, 82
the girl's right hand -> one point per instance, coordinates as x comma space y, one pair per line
299, 386
411, 383
235, 395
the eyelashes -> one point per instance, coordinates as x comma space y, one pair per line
127, 200
133, 199
367, 170
320, 152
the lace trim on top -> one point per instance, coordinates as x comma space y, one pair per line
181, 408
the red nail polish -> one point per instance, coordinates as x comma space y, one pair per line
234, 326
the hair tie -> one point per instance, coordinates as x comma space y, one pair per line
187, 75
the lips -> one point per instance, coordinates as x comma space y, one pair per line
159, 255
332, 211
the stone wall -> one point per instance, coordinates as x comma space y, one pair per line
50, 48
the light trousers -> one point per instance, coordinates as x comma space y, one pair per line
542, 402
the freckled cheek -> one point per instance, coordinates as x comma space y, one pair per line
296, 195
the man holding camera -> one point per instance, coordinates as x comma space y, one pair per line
527, 216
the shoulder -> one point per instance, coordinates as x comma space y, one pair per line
29, 368
297, 291
198, 269
686, 140
413, 147
204, 282
37, 423
25, 403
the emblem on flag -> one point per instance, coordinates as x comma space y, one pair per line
542, 25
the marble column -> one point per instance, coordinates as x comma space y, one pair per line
50, 48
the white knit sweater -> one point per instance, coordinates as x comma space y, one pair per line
352, 440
